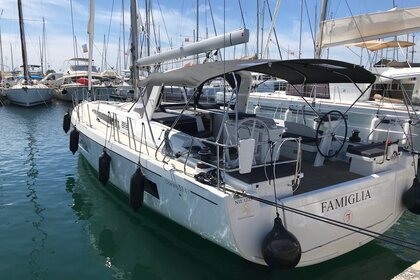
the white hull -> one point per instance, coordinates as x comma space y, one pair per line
29, 96
239, 224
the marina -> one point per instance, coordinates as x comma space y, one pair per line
195, 161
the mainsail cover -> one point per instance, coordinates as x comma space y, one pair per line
372, 26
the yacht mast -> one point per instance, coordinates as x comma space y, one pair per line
72, 29
1, 51
197, 26
23, 43
258, 26
147, 25
262, 30
44, 46
123, 30
321, 27
134, 46
11, 57
300, 28
41, 55
90, 32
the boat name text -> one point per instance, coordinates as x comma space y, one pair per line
344, 201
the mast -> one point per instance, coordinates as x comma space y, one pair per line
273, 28
412, 51
41, 55
219, 55
147, 26
258, 25
300, 28
72, 29
118, 64
197, 25
44, 45
318, 49
103, 53
11, 56
23, 43
90, 32
123, 28
1, 50
134, 46
262, 30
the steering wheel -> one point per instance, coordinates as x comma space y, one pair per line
327, 121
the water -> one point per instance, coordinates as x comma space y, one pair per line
59, 222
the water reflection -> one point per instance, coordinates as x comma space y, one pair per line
81, 207
40, 235
145, 245
133, 242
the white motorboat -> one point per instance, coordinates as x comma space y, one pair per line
227, 175
74, 83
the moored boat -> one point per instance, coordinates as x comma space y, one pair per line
27, 92
227, 175
29, 95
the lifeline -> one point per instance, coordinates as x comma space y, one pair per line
345, 200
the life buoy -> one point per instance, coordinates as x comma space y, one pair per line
137, 183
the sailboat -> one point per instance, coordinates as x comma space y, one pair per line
26, 92
283, 196
227, 175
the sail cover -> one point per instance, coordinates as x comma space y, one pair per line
369, 27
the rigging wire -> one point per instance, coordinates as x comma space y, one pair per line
310, 24
243, 22
274, 30
164, 25
109, 30
358, 29
157, 44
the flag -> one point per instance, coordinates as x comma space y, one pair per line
84, 48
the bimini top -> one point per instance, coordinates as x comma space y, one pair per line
312, 71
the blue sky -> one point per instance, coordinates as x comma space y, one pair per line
179, 17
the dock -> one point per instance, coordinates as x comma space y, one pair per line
411, 273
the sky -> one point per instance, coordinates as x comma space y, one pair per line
174, 21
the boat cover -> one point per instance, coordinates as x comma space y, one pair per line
313, 71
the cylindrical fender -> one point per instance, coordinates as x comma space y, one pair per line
137, 183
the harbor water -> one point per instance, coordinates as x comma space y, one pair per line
59, 222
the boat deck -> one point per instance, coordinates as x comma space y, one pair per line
333, 172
